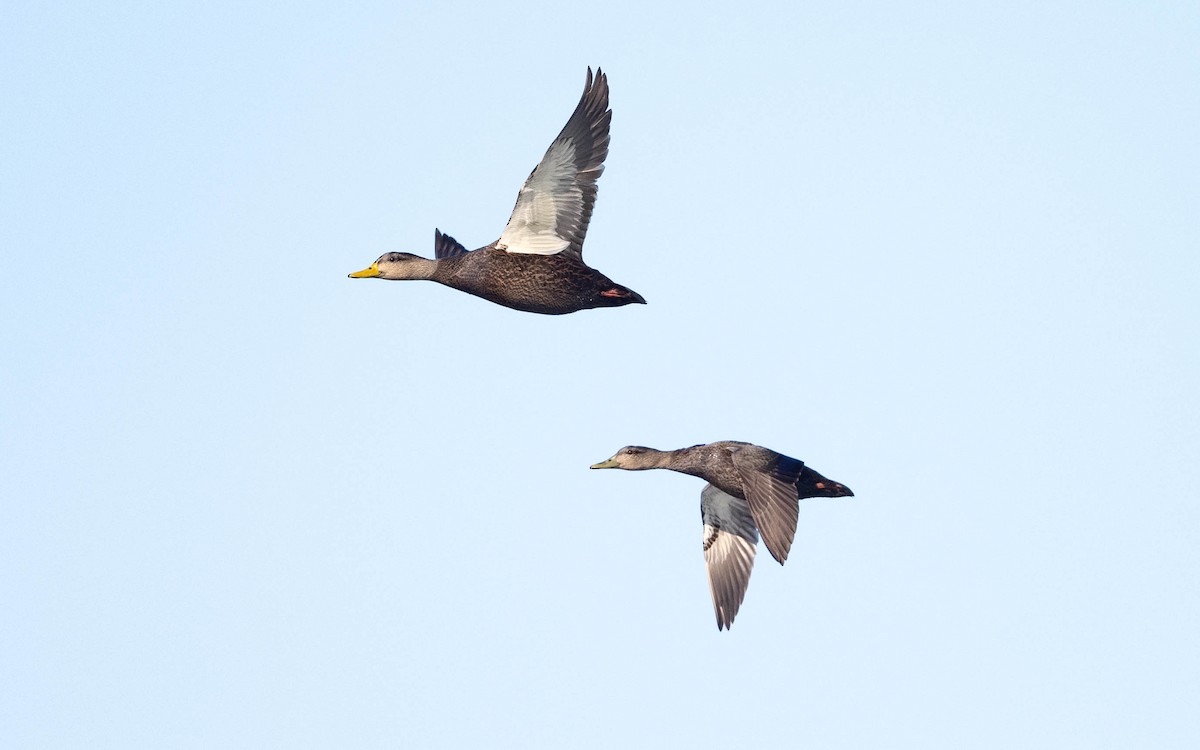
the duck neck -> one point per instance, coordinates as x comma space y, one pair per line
683, 460
421, 268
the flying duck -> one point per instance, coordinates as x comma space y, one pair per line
537, 264
751, 490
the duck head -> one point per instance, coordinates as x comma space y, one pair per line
397, 266
633, 458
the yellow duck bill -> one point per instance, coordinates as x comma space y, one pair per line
366, 273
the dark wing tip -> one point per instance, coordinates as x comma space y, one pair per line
595, 93
724, 621
445, 246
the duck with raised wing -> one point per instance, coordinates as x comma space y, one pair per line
751, 490
537, 264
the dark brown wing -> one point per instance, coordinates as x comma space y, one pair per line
769, 481
445, 246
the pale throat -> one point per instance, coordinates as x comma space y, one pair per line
411, 269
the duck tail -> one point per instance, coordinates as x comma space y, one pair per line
618, 295
812, 484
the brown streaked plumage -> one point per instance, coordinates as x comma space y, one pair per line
751, 490
537, 264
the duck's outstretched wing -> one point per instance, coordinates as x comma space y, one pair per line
445, 246
769, 480
555, 204
730, 542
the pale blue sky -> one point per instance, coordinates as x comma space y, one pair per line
946, 254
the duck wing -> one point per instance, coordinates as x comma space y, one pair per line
730, 541
445, 246
769, 481
555, 204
